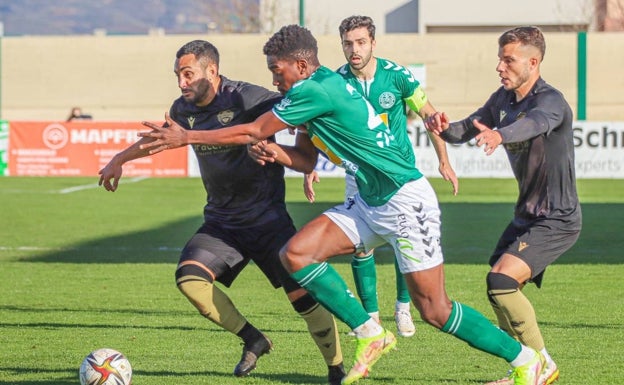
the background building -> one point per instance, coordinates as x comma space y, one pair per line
437, 16
127, 17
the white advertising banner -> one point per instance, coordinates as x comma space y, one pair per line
599, 151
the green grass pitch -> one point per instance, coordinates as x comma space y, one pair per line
82, 268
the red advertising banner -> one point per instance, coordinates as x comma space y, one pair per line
82, 148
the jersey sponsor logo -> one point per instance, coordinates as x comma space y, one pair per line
225, 117
191, 121
387, 100
502, 115
205, 149
518, 147
405, 246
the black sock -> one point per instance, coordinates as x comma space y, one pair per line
249, 334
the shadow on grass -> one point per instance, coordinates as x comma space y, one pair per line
70, 376
469, 233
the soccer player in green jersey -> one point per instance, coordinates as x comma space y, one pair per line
391, 89
394, 204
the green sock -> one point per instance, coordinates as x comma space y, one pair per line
472, 327
401, 286
330, 290
365, 277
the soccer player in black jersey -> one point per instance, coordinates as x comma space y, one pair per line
533, 122
245, 217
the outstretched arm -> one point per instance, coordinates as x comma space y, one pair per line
300, 157
174, 136
114, 169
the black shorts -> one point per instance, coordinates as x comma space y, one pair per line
538, 244
226, 251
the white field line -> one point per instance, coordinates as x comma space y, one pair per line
38, 248
95, 185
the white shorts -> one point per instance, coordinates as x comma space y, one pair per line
409, 222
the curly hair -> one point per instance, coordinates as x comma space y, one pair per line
204, 52
527, 35
292, 42
353, 22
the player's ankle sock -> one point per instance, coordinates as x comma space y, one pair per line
472, 327
402, 306
249, 334
401, 285
365, 278
370, 328
375, 316
330, 290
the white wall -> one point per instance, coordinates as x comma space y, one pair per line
324, 16
505, 12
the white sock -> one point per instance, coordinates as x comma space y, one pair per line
525, 355
375, 316
370, 328
402, 306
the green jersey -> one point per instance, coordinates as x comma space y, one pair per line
346, 128
391, 89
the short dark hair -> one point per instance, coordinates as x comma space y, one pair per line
353, 22
204, 52
527, 35
292, 42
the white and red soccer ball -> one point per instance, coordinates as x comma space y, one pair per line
105, 367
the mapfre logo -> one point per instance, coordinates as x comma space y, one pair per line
55, 136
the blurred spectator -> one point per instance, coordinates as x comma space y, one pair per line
77, 114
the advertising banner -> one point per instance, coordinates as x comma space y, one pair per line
82, 148
598, 148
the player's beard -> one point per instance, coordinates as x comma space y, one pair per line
519, 80
364, 60
198, 92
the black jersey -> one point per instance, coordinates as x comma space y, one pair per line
537, 136
240, 191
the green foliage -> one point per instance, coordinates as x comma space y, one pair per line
84, 269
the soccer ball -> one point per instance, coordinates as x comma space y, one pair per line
105, 367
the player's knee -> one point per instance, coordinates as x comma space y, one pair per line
286, 258
197, 288
191, 272
434, 312
497, 282
304, 304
